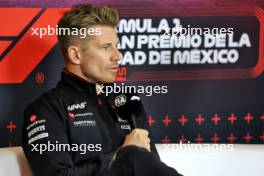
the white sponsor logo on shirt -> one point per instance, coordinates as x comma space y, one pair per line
84, 123
40, 136
36, 123
77, 106
34, 130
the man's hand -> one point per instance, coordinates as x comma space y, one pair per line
138, 137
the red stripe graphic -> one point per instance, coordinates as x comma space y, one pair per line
15, 19
30, 50
4, 45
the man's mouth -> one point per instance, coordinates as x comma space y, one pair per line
113, 68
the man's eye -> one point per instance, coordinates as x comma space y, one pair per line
106, 47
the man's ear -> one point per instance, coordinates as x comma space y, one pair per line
74, 54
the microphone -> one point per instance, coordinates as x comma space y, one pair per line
128, 107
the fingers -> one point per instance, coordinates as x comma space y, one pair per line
148, 140
138, 137
147, 145
140, 131
143, 135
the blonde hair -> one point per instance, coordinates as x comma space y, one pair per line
85, 16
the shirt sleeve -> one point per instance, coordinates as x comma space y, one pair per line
44, 126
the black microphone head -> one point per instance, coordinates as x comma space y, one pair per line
127, 105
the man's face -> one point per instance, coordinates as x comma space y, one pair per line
99, 59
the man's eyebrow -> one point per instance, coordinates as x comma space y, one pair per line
105, 44
109, 44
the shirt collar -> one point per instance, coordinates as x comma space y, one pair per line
77, 83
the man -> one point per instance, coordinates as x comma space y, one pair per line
73, 130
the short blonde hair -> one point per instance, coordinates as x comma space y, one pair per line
85, 16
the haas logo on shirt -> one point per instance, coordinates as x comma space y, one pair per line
77, 106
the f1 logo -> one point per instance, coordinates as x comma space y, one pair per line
20, 51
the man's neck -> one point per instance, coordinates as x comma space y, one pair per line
79, 74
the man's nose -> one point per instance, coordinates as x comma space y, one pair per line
117, 55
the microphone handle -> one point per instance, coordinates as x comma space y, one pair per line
133, 122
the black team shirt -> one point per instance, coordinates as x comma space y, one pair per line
72, 131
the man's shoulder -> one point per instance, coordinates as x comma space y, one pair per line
52, 96
55, 97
